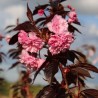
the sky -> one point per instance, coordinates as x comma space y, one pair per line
87, 11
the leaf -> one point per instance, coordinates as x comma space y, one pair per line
24, 93
71, 56
61, 12
77, 22
90, 93
82, 72
49, 19
29, 13
14, 53
14, 65
12, 50
71, 77
81, 81
50, 70
10, 26
89, 67
26, 26
1, 69
53, 91
14, 39
72, 29
62, 0
2, 55
42, 66
84, 66
79, 55
39, 20
47, 92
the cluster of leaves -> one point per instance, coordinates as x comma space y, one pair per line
74, 73
2, 58
21, 88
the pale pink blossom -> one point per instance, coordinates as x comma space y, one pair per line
58, 43
30, 42
36, 43
23, 37
72, 16
58, 25
40, 12
30, 61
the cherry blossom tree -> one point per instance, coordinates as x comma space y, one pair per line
54, 32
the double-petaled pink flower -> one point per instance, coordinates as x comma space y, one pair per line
58, 25
30, 61
30, 42
58, 43
72, 15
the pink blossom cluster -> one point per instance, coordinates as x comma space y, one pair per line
58, 25
72, 15
60, 42
30, 42
30, 61
61, 39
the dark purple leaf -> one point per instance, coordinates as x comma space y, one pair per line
29, 14
40, 20
50, 70
14, 39
79, 53
72, 29
90, 93
2, 56
81, 81
82, 72
10, 26
89, 67
14, 65
42, 66
53, 91
24, 93
26, 26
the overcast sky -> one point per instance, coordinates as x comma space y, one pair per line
87, 11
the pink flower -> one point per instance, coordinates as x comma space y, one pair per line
72, 16
58, 25
23, 37
58, 43
40, 12
30, 42
35, 45
30, 61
